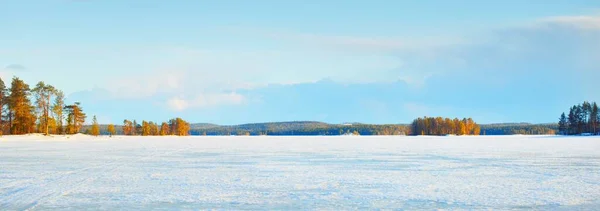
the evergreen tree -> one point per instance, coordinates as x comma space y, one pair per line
43, 93
563, 124
21, 116
594, 118
3, 103
75, 118
57, 110
95, 131
136, 130
582, 118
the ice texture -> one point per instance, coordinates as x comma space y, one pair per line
282, 173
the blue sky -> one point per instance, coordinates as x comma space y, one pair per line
231, 62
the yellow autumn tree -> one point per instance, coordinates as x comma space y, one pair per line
95, 131
111, 130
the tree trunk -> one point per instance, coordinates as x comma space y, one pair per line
47, 106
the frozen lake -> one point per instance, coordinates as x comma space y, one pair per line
333, 173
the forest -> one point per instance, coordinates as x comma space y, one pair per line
582, 119
519, 129
42, 109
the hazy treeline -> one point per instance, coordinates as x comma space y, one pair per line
444, 126
302, 128
582, 118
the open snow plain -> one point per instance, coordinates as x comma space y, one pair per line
332, 173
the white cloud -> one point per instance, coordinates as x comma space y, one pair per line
7, 74
378, 44
147, 85
581, 22
188, 71
177, 104
205, 100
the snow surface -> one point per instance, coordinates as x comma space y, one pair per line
282, 173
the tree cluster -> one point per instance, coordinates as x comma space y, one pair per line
519, 129
176, 126
582, 118
18, 115
444, 126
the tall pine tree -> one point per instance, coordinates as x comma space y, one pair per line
3, 103
75, 118
43, 93
21, 117
563, 124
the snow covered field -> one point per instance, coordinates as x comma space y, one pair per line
333, 173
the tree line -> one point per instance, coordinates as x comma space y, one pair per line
47, 114
519, 129
42, 109
176, 126
444, 126
299, 128
582, 119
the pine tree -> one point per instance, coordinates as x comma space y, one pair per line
135, 130
582, 118
21, 116
111, 130
594, 118
3, 103
43, 93
95, 131
563, 124
75, 118
57, 110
